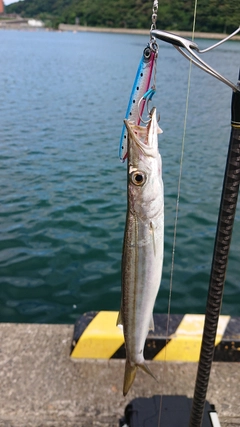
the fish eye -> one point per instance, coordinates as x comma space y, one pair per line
138, 178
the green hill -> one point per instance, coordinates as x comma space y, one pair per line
212, 15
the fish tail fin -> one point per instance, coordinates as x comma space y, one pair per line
146, 369
130, 373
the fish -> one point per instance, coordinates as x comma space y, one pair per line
142, 256
140, 87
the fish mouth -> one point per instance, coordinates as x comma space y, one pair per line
143, 136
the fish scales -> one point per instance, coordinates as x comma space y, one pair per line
143, 243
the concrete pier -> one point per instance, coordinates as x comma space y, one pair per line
42, 387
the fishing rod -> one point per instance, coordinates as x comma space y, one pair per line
226, 216
225, 223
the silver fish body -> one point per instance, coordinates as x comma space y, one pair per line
143, 243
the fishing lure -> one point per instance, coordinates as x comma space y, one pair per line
138, 95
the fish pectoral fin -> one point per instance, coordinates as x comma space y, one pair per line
146, 369
119, 319
129, 376
151, 324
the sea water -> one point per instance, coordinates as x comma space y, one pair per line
63, 97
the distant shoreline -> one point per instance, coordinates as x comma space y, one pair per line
23, 25
198, 35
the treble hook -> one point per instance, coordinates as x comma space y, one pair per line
146, 97
180, 42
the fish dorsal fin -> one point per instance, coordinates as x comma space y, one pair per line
119, 319
151, 324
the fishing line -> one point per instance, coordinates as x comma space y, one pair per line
180, 176
177, 203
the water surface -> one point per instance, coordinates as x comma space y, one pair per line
63, 97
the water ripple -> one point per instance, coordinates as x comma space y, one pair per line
63, 190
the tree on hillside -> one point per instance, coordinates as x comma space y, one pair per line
212, 15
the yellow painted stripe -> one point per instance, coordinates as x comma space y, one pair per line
101, 339
186, 342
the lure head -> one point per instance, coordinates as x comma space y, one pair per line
147, 54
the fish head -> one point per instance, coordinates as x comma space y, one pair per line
144, 164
